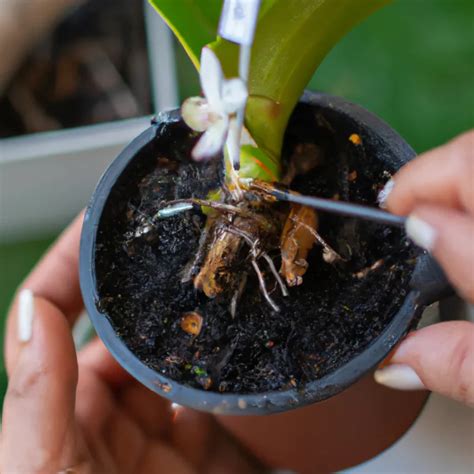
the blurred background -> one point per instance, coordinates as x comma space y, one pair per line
80, 79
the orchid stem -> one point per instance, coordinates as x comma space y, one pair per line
237, 123
244, 67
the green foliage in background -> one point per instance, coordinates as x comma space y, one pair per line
411, 63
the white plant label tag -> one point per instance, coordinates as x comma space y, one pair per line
238, 20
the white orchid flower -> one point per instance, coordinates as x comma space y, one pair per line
213, 113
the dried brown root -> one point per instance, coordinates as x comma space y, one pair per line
329, 254
251, 222
301, 217
216, 274
297, 239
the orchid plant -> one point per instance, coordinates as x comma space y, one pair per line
249, 92
292, 38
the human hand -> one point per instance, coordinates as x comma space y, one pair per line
82, 413
436, 191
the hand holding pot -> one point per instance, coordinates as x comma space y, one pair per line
82, 413
436, 190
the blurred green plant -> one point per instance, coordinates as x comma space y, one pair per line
416, 75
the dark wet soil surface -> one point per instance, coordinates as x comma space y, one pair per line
324, 322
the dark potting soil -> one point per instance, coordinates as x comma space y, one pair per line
327, 320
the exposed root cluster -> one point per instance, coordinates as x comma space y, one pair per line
261, 226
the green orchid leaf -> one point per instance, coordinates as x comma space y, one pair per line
194, 22
256, 164
291, 40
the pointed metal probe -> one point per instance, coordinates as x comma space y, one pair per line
343, 208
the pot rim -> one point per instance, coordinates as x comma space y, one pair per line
233, 403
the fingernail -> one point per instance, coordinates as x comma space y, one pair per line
422, 233
383, 195
25, 315
399, 376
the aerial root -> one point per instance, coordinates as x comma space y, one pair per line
178, 206
172, 207
277, 276
330, 252
236, 296
253, 244
263, 288
193, 265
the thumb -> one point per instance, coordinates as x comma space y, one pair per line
38, 432
439, 358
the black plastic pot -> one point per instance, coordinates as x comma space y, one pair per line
428, 284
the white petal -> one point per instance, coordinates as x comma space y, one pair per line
197, 115
212, 79
234, 95
212, 141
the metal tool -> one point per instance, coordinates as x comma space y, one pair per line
342, 208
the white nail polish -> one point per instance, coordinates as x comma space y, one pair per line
383, 195
399, 376
422, 233
25, 315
